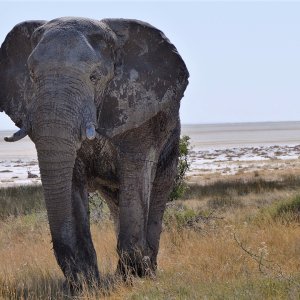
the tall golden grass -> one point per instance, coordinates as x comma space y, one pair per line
192, 265
236, 253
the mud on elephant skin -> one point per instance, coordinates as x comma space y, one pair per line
100, 100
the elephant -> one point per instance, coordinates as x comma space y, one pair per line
100, 100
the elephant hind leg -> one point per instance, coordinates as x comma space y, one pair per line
161, 189
137, 173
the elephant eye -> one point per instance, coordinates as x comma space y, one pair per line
93, 78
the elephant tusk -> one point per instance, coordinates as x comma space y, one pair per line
16, 136
90, 131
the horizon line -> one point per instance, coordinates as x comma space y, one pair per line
240, 122
211, 123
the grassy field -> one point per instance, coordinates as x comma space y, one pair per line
233, 238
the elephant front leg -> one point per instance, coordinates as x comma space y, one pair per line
85, 256
134, 196
76, 255
162, 186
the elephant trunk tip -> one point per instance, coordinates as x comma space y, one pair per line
20, 134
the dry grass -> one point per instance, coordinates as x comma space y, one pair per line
28, 269
192, 265
239, 254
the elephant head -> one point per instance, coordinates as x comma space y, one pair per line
63, 81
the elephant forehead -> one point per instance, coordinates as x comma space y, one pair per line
64, 46
80, 24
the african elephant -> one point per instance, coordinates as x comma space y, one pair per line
100, 100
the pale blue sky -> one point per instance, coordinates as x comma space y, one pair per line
243, 57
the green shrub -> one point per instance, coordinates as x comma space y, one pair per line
99, 210
182, 167
289, 211
178, 216
286, 211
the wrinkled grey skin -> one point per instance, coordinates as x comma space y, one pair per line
62, 80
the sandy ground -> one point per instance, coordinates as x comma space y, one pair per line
230, 161
17, 160
204, 164
266, 148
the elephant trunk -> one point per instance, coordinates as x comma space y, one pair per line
56, 167
59, 124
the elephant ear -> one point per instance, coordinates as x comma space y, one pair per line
150, 77
14, 74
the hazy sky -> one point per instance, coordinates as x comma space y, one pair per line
243, 57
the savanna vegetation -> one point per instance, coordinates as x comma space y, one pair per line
230, 238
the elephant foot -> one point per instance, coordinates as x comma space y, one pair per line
82, 280
79, 267
135, 264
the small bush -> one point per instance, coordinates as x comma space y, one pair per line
99, 210
178, 217
288, 211
182, 167
285, 211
